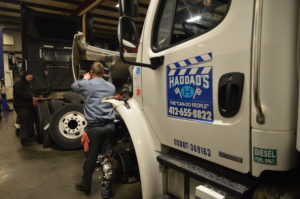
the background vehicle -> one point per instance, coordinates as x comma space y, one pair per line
47, 50
215, 97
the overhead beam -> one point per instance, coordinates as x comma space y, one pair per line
105, 32
116, 19
36, 5
114, 9
74, 2
13, 28
105, 8
99, 34
142, 5
9, 10
105, 17
104, 27
10, 18
85, 7
10, 23
47, 7
11, 1
105, 24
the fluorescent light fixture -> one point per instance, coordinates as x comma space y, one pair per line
193, 19
117, 5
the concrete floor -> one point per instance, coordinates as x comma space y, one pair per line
35, 172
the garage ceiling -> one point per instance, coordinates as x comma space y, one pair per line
105, 14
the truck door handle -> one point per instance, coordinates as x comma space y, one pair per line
157, 61
230, 93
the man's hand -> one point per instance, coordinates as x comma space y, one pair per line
87, 76
34, 101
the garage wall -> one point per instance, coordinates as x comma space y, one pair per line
12, 40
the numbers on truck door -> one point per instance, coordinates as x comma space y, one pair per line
193, 114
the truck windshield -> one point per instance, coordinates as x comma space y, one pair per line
191, 18
56, 55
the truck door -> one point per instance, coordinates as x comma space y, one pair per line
198, 101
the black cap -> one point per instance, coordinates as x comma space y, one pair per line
25, 73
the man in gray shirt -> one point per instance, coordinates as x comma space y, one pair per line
100, 128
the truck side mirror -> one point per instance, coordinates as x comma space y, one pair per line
129, 8
127, 33
128, 38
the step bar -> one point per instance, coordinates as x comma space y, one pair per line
242, 188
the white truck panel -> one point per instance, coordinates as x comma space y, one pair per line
273, 151
230, 45
278, 79
277, 88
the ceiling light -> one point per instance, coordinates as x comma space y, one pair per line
193, 19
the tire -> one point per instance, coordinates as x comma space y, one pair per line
72, 97
125, 164
54, 105
67, 126
42, 114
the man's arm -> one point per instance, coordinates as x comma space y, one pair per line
76, 86
82, 86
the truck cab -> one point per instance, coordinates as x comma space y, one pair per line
215, 87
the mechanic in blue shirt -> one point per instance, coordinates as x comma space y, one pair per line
100, 128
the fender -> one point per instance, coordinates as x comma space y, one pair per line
145, 143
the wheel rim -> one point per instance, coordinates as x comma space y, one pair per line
71, 125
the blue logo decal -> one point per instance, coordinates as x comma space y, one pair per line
189, 89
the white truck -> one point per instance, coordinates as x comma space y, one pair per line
215, 98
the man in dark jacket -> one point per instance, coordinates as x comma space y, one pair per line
23, 104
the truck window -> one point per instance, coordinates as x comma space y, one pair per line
56, 55
191, 18
164, 26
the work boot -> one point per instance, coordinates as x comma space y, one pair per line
82, 187
106, 191
25, 142
18, 132
31, 138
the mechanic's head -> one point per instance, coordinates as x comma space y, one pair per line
97, 69
27, 76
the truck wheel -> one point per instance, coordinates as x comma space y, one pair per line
42, 114
125, 163
67, 126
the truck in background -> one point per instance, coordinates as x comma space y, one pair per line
46, 52
51, 45
214, 110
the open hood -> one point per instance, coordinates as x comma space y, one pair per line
81, 51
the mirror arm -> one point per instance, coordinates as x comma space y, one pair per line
151, 66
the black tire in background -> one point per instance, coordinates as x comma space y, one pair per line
55, 104
67, 125
42, 114
72, 97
